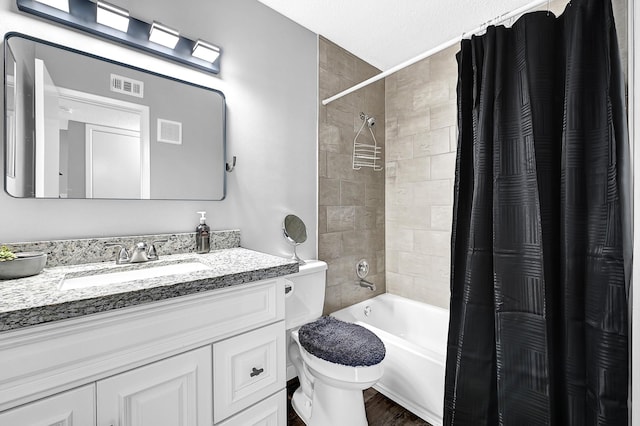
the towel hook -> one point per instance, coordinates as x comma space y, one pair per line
233, 165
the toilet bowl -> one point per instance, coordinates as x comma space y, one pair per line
329, 393
334, 361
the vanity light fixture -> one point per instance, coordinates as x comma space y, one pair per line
100, 18
206, 51
62, 5
112, 16
163, 35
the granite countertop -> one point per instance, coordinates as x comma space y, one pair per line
39, 299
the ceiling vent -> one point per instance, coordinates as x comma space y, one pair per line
169, 131
127, 86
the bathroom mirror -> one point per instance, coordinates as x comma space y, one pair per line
81, 126
294, 229
295, 232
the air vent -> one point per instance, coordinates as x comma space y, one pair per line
128, 86
169, 131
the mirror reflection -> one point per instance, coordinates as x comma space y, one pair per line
78, 126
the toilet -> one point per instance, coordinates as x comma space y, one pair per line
334, 361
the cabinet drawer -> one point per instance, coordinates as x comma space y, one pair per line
247, 369
270, 412
174, 391
74, 407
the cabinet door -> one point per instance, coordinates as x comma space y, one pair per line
74, 407
248, 368
173, 392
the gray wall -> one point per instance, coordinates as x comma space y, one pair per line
269, 77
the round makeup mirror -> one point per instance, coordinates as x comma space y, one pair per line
295, 232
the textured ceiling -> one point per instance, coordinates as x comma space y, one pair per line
386, 33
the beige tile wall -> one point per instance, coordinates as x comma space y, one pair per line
351, 202
420, 166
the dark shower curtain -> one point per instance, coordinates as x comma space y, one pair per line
541, 236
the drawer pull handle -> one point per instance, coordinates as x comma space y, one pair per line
256, 372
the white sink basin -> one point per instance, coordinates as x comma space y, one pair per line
108, 278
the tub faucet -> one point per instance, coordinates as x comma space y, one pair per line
366, 284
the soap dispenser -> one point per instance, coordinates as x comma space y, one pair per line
202, 235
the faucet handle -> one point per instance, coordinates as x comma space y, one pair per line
123, 254
153, 253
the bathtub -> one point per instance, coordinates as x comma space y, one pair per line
415, 337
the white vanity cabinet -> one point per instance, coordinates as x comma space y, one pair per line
216, 357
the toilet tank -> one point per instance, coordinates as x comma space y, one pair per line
304, 297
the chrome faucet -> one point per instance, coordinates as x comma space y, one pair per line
367, 284
141, 252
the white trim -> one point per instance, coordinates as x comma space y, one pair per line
435, 50
11, 127
39, 131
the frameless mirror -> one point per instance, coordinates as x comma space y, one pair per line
295, 232
81, 126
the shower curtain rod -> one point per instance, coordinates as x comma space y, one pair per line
435, 50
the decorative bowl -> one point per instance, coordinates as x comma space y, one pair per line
24, 265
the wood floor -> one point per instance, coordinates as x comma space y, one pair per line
381, 411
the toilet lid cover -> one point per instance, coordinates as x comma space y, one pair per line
341, 342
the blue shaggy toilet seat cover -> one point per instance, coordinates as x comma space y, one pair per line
341, 342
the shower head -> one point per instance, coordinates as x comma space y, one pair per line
371, 121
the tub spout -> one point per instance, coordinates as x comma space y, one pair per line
366, 284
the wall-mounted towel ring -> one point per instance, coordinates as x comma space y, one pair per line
232, 166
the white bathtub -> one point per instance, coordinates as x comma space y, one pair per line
415, 337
